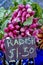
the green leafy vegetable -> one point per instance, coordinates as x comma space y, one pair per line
28, 21
38, 10
2, 11
41, 21
1, 35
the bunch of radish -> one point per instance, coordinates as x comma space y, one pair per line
15, 27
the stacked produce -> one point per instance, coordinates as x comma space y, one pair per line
40, 36
16, 27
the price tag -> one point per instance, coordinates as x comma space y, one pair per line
20, 48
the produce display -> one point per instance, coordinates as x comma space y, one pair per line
23, 24
23, 20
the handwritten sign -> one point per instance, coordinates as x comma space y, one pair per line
20, 48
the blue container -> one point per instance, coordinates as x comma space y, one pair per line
1, 57
38, 60
1, 54
1, 62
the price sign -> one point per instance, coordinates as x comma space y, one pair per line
20, 48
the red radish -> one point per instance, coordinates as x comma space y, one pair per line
26, 27
19, 36
29, 10
23, 19
35, 20
11, 27
14, 23
28, 6
15, 32
27, 32
27, 15
6, 30
15, 36
24, 14
24, 9
2, 46
32, 13
22, 34
17, 27
21, 6
10, 34
22, 29
19, 13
